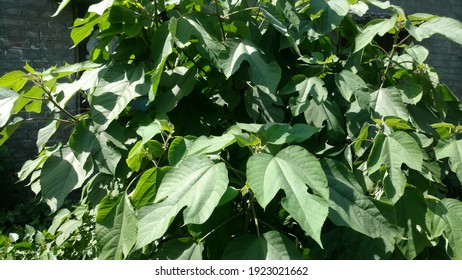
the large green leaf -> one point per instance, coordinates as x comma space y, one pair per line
373, 28
350, 207
392, 151
272, 245
264, 75
161, 48
196, 184
202, 27
330, 113
388, 102
61, 173
444, 217
278, 133
263, 106
115, 227
448, 27
411, 209
7, 101
291, 170
14, 80
451, 149
118, 86
350, 84
174, 85
147, 186
306, 88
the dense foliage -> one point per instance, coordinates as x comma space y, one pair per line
247, 130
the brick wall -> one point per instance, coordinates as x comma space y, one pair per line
444, 55
29, 34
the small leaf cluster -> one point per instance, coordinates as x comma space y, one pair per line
250, 130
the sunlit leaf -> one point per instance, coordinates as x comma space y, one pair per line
195, 184
292, 170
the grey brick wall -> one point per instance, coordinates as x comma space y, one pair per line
29, 34
444, 55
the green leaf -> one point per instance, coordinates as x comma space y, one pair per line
118, 86
373, 28
328, 112
291, 170
161, 48
451, 149
147, 186
8, 130
264, 75
100, 7
45, 133
58, 220
180, 249
448, 27
279, 134
350, 207
175, 84
397, 123
263, 106
66, 230
202, 27
207, 145
444, 217
61, 173
388, 102
306, 88
350, 84
115, 227
84, 27
392, 151
411, 93
14, 80
83, 140
62, 5
411, 209
272, 245
7, 102
150, 150
196, 184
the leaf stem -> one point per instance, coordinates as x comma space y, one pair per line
220, 20
52, 100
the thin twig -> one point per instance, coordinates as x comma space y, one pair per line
220, 225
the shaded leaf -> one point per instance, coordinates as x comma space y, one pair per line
272, 245
115, 227
328, 112
117, 87
264, 75
180, 249
392, 151
61, 173
351, 208
451, 149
